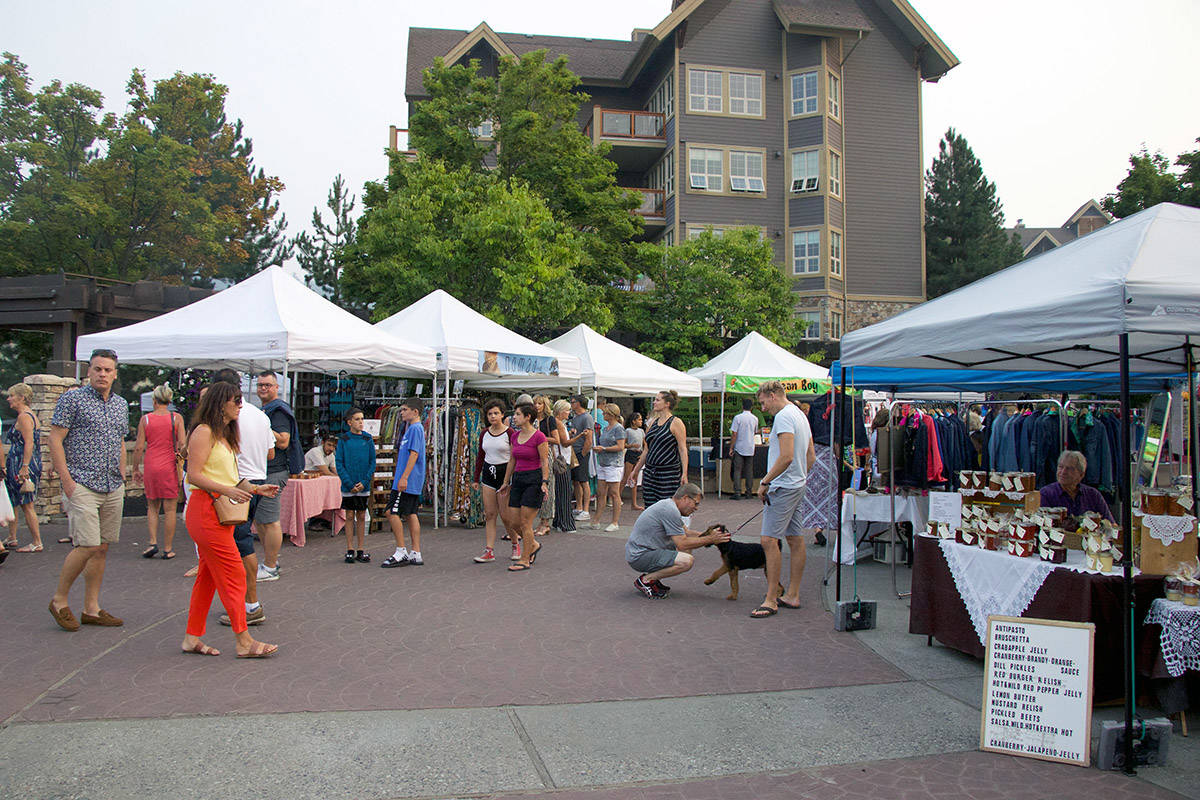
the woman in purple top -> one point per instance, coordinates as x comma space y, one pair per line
527, 480
1070, 493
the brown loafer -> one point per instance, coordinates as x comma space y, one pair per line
103, 618
65, 619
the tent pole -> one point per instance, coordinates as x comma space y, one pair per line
434, 430
446, 411
1127, 559
700, 409
720, 435
1193, 456
837, 484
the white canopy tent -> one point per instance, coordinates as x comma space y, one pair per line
753, 360
612, 368
473, 348
1126, 296
268, 321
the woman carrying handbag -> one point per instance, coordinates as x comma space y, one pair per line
219, 500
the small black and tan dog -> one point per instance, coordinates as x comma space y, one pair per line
737, 556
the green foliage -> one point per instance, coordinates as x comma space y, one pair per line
168, 190
459, 99
964, 222
322, 255
1151, 181
706, 291
493, 245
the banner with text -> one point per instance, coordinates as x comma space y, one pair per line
745, 384
494, 363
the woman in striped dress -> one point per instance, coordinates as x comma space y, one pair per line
564, 520
664, 452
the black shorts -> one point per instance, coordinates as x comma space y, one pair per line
354, 502
243, 537
492, 475
526, 489
403, 504
580, 473
632, 456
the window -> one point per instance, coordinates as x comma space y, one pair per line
483, 130
806, 171
804, 93
696, 233
745, 94
835, 325
704, 90
835, 96
835, 174
662, 175
835, 253
663, 99
746, 171
806, 252
810, 324
704, 167
668, 238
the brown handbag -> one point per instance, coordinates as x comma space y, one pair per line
230, 511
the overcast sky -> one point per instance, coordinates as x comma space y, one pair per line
1053, 95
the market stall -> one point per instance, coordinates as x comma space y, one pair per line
1124, 298
754, 360
480, 352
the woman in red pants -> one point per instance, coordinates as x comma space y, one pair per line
212, 471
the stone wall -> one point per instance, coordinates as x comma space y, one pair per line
46, 391
861, 313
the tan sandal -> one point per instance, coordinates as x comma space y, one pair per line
30, 548
260, 650
201, 649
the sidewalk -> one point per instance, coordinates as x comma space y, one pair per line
459, 679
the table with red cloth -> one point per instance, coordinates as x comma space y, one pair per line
304, 498
939, 612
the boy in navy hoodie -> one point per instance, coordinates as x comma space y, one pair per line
355, 462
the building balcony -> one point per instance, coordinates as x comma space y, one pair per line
638, 138
653, 208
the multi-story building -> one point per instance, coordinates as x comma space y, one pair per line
799, 117
1035, 241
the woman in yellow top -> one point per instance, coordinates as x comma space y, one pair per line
212, 471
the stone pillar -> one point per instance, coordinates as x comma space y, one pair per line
46, 391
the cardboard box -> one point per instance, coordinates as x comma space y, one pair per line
1159, 559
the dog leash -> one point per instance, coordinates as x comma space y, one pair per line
747, 522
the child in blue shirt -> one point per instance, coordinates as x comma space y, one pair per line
406, 490
354, 459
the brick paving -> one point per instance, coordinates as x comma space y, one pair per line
451, 633
954, 776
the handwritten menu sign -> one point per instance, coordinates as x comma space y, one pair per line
1037, 691
946, 507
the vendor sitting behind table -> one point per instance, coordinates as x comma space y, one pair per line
320, 457
1070, 493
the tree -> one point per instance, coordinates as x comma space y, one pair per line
168, 190
964, 221
494, 245
1148, 183
533, 107
322, 255
1189, 179
706, 291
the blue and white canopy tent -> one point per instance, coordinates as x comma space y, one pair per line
1123, 299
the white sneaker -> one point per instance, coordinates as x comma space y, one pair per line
612, 527
266, 574
582, 515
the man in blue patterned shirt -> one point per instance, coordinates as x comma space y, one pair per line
87, 446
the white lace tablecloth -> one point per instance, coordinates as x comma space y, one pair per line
991, 582
1180, 640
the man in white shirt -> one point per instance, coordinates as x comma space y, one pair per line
320, 456
257, 444
741, 449
790, 455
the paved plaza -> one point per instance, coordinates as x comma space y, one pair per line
457, 679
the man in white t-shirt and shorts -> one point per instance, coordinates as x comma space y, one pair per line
741, 448
790, 454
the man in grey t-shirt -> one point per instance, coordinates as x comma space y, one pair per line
580, 432
660, 543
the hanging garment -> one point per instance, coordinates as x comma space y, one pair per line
818, 507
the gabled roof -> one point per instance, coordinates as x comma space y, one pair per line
1090, 205
617, 62
821, 16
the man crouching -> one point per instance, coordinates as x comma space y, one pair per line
660, 543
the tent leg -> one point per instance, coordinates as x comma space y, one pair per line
1193, 455
446, 411
720, 439
1127, 560
837, 489
434, 430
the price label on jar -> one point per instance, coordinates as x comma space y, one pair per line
1037, 690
